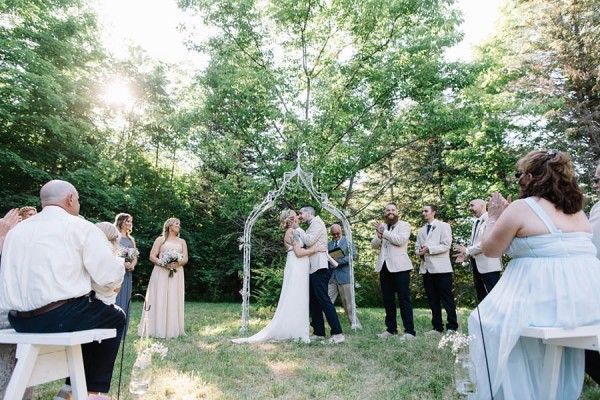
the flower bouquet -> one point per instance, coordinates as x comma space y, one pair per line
169, 257
129, 253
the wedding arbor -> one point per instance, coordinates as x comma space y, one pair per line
306, 179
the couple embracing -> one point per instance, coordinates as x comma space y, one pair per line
305, 284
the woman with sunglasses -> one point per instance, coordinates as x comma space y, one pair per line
552, 280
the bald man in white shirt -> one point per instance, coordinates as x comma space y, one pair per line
48, 265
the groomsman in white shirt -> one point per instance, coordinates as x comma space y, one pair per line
486, 270
433, 247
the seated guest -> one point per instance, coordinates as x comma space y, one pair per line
27, 212
108, 294
7, 351
552, 280
48, 265
7, 223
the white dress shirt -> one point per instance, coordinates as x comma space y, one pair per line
54, 256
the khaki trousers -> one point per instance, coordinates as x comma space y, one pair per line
344, 291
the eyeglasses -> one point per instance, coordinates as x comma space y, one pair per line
336, 233
518, 174
596, 179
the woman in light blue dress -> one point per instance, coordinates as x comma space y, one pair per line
552, 280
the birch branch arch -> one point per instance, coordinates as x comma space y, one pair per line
306, 179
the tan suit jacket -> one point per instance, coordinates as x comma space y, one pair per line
439, 241
316, 235
484, 264
393, 248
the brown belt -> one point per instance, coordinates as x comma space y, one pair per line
47, 308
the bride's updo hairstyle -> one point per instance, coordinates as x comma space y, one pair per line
552, 178
284, 218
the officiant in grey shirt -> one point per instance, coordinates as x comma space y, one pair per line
339, 283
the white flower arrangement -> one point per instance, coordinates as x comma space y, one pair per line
457, 341
145, 356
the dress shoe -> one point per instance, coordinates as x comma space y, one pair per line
407, 336
337, 339
314, 338
385, 335
432, 332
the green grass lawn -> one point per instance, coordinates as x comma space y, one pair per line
206, 365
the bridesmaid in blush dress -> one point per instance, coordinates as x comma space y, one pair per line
124, 223
166, 290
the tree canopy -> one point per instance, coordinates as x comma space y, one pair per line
361, 89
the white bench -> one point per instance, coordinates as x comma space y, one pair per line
45, 357
555, 339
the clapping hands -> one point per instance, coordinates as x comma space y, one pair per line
497, 204
461, 254
379, 227
10, 219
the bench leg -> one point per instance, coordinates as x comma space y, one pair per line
26, 357
77, 372
551, 371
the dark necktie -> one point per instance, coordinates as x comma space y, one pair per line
428, 228
390, 227
475, 231
335, 244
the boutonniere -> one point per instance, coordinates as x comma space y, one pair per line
433, 227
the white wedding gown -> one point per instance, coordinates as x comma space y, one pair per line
290, 321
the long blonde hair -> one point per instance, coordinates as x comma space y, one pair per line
167, 226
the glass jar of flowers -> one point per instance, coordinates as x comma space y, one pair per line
465, 376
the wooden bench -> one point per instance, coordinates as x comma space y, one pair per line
555, 339
45, 357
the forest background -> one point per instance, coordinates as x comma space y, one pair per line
361, 90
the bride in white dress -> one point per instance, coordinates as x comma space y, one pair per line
290, 321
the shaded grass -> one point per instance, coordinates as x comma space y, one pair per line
206, 365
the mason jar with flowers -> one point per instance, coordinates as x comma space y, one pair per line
465, 376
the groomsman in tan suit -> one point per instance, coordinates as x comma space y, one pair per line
319, 301
433, 247
394, 267
486, 270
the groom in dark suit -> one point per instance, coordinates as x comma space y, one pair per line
320, 303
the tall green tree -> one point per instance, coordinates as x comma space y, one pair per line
550, 57
50, 58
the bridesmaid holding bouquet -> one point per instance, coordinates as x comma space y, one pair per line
166, 290
129, 251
